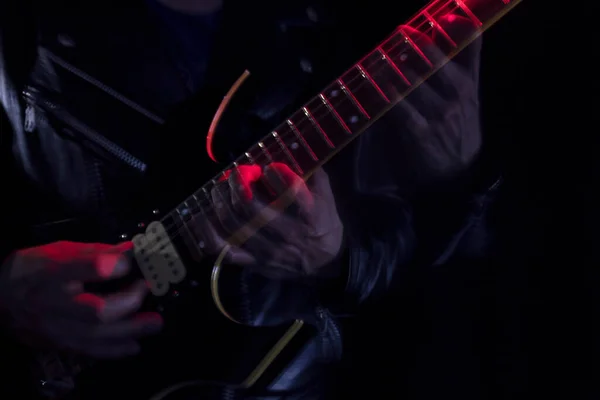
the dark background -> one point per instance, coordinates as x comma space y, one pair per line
523, 323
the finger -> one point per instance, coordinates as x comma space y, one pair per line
239, 256
284, 180
244, 223
227, 220
461, 28
453, 75
321, 188
255, 213
434, 47
91, 307
210, 240
319, 184
409, 117
119, 305
98, 263
241, 181
142, 324
214, 243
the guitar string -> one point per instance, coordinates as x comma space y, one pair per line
173, 234
274, 151
280, 145
178, 231
278, 149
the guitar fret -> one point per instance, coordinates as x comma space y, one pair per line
429, 35
462, 17
388, 61
318, 145
330, 120
204, 201
198, 204
460, 4
219, 194
292, 161
245, 159
365, 91
302, 140
186, 214
349, 113
416, 48
298, 146
367, 76
317, 127
488, 11
327, 121
406, 59
173, 219
439, 28
265, 152
388, 78
352, 98
333, 111
260, 155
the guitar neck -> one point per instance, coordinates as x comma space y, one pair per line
350, 104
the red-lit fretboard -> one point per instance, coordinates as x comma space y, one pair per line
344, 109
372, 86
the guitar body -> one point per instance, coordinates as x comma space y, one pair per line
198, 343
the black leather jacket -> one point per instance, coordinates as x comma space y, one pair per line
119, 88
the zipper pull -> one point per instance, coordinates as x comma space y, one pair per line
30, 120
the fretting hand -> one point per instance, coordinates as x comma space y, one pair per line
289, 244
44, 304
439, 121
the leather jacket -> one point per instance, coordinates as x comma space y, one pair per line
85, 125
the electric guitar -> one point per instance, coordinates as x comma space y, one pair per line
167, 251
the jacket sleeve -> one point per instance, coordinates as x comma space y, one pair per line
379, 236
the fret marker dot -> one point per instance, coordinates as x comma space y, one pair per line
403, 57
201, 244
334, 93
354, 119
294, 146
185, 211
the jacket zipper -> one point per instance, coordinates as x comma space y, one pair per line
33, 100
106, 89
334, 333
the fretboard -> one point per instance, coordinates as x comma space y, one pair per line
350, 104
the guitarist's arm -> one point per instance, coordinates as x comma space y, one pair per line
378, 232
427, 145
42, 302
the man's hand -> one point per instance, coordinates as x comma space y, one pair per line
288, 242
42, 297
439, 121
